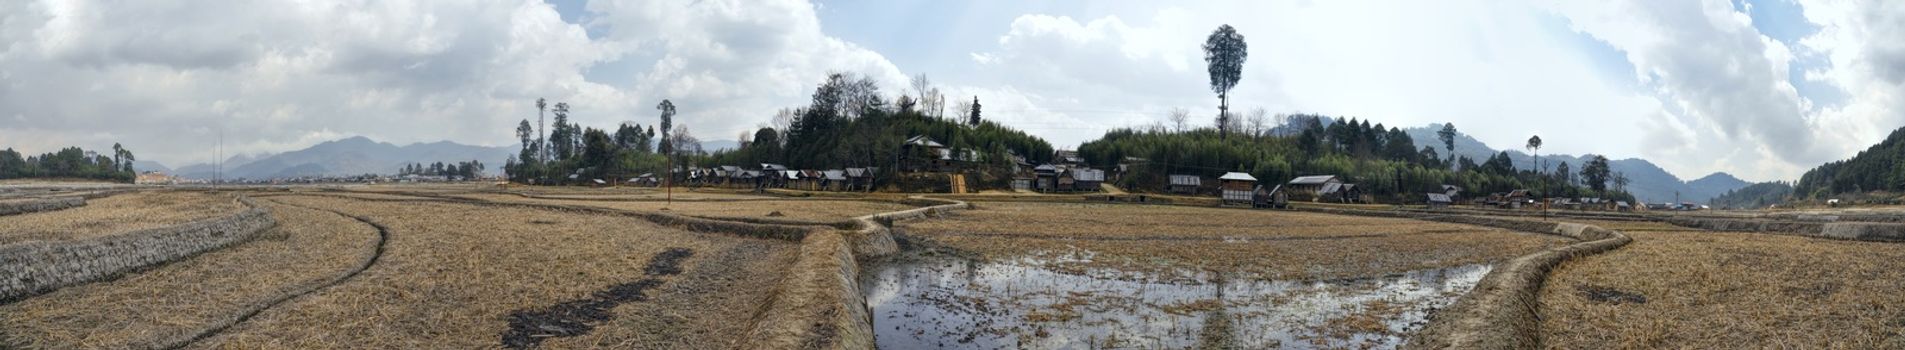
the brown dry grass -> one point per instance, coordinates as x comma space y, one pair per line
452, 274
1174, 241
800, 209
179, 299
117, 214
1729, 290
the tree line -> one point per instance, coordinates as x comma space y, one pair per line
70, 162
568, 152
1879, 168
467, 170
1384, 161
1755, 196
850, 123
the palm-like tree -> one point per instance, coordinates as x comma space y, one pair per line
1534, 147
1224, 53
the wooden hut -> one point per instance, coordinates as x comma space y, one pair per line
1087, 180
833, 180
1272, 197
1185, 184
1310, 187
860, 179
1047, 177
1238, 187
1439, 200
922, 154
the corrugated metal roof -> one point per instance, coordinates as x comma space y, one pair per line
1236, 176
1186, 180
1313, 180
1439, 198
834, 175
1330, 188
1089, 175
922, 140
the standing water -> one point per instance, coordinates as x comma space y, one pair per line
946, 302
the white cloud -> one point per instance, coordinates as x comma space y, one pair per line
729, 64
164, 77
1713, 94
1495, 69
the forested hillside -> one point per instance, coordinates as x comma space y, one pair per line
1755, 196
1880, 168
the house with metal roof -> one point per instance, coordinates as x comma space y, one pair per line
1238, 187
1312, 187
1185, 184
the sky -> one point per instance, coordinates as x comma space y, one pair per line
1762, 89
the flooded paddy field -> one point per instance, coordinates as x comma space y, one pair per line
1090, 276
952, 302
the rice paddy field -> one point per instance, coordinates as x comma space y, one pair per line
747, 207
1077, 275
1163, 241
433, 275
118, 214
463, 266
1680, 288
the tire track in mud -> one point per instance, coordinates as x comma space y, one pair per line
383, 238
529, 328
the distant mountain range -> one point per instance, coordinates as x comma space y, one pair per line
357, 156
1648, 182
351, 156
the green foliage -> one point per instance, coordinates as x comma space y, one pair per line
1880, 168
584, 152
70, 162
1759, 195
848, 124
467, 170
1385, 162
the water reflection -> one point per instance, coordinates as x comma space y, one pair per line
934, 302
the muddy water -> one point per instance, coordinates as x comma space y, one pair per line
944, 302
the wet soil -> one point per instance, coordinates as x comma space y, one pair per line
528, 328
946, 301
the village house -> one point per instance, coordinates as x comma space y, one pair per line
1067, 157
1047, 177
860, 179
922, 154
1238, 187
833, 180
773, 175
1311, 187
1340, 193
1439, 200
1087, 180
1272, 197
1185, 184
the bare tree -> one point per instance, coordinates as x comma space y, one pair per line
784, 119
685, 143
1179, 118
1228, 123
1257, 120
935, 104
962, 105
921, 85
